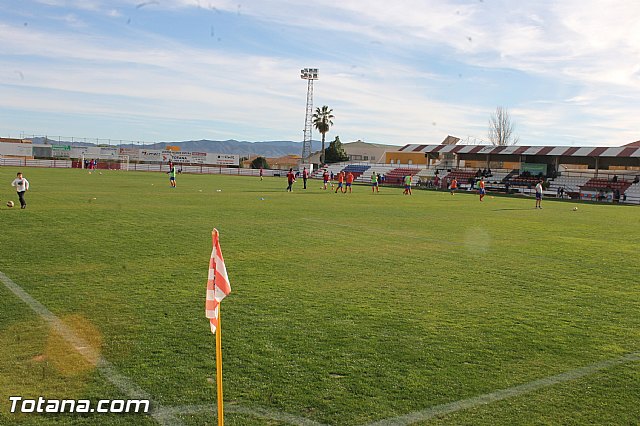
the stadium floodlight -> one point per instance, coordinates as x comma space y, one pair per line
308, 74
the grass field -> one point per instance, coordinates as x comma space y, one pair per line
345, 309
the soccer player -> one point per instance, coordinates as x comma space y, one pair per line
374, 183
325, 178
305, 176
261, 173
291, 178
454, 185
172, 175
340, 182
349, 182
539, 194
481, 190
407, 185
22, 186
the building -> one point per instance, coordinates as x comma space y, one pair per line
417, 157
360, 151
285, 162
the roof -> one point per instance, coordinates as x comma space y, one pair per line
362, 143
636, 143
12, 140
571, 151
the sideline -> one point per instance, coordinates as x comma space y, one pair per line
107, 369
464, 404
165, 416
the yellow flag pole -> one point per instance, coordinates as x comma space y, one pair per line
219, 370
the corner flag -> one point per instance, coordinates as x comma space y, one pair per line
217, 283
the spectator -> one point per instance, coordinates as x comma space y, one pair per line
615, 178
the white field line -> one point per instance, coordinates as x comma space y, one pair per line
108, 370
464, 404
167, 416
163, 415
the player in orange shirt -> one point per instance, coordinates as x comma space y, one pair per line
340, 182
453, 186
481, 190
349, 181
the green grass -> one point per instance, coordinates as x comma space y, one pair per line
346, 309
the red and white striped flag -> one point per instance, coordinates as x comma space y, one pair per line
218, 286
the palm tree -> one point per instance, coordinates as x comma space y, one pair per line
322, 122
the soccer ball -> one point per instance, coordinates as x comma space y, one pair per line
575, 209
10, 204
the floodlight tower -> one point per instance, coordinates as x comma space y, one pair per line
308, 74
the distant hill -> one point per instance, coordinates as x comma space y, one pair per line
243, 148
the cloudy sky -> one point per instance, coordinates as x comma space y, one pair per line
394, 72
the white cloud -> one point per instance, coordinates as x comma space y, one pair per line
390, 92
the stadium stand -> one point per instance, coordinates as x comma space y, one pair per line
380, 169
461, 176
356, 169
632, 194
394, 177
570, 185
606, 185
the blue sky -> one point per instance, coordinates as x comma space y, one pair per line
407, 71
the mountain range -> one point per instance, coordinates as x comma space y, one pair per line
242, 148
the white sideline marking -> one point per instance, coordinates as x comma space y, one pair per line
163, 415
123, 383
499, 395
231, 408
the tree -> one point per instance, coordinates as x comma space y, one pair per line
259, 163
335, 152
322, 121
501, 128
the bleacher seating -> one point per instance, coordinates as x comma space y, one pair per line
632, 194
356, 169
379, 169
461, 176
394, 177
569, 184
606, 184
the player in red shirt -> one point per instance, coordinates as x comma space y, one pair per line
291, 178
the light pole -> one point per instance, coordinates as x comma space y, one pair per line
308, 74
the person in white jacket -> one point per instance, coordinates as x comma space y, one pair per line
22, 186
